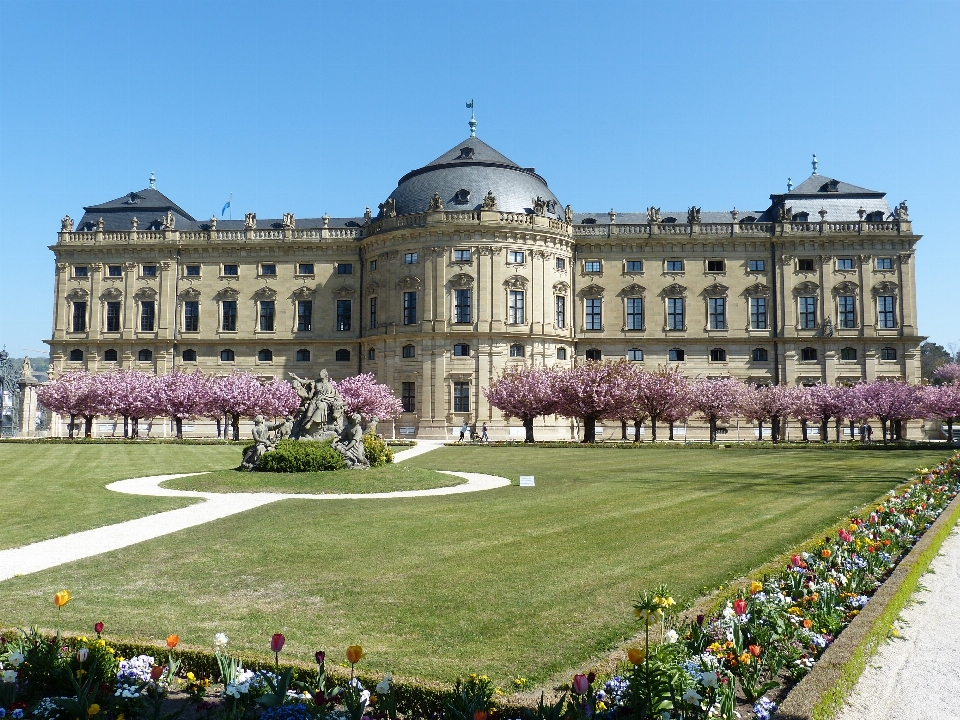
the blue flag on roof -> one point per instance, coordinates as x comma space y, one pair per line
225, 208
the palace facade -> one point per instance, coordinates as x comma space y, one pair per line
472, 264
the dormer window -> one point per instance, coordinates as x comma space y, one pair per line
462, 196
748, 219
669, 220
876, 216
588, 221
830, 186
801, 217
466, 153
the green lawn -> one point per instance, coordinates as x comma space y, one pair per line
513, 581
389, 478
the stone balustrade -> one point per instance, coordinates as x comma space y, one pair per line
893, 227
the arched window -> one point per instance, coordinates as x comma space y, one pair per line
461, 350
635, 354
145, 355
189, 355
801, 217
594, 354
888, 353
303, 355
110, 355
409, 351
226, 356
517, 350
342, 356
759, 355
718, 355
848, 353
675, 355
561, 353
76, 355
808, 354
876, 216
265, 355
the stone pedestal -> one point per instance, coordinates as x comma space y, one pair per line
28, 401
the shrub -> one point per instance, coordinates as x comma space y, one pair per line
376, 449
302, 456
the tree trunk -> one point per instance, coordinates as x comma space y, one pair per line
73, 419
528, 430
803, 430
623, 431
126, 427
713, 430
670, 437
135, 431
838, 424
825, 430
589, 429
88, 426
219, 432
179, 422
653, 428
637, 426
883, 429
236, 427
950, 432
852, 434
759, 430
775, 429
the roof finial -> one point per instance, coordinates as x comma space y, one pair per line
789, 184
473, 120
815, 163
153, 180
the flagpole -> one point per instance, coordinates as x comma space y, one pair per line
231, 206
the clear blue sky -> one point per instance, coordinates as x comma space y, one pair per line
313, 107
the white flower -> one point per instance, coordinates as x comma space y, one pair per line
728, 611
9, 676
220, 640
15, 659
671, 636
709, 679
383, 687
83, 654
692, 697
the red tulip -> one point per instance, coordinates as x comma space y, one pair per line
580, 684
98, 628
155, 672
276, 643
319, 656
739, 606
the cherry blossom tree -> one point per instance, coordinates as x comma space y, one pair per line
826, 402
594, 390
363, 394
717, 399
658, 393
890, 400
525, 393
134, 395
183, 395
949, 373
236, 395
942, 402
278, 399
60, 395
768, 403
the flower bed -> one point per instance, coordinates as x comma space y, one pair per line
766, 636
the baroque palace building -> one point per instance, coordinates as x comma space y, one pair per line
471, 265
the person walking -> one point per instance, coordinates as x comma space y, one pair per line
869, 433
863, 433
483, 434
464, 430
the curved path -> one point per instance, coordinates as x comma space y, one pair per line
51, 553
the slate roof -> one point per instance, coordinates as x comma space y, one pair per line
840, 199
820, 185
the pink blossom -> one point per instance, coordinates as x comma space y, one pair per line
363, 394
525, 393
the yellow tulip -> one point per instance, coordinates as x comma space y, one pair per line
93, 710
354, 653
756, 587
61, 598
636, 655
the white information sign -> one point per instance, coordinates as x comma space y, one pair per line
408, 430
527, 481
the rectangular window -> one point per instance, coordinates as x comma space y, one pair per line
674, 265
561, 315
515, 308
304, 315
191, 316
844, 263
79, 317
409, 258
80, 271
805, 265
113, 317
591, 266
231, 270
846, 314
461, 306
461, 256
267, 309
228, 311
885, 316
593, 316
634, 313
884, 263
461, 397
114, 271
718, 313
716, 266
757, 265
515, 256
409, 308
148, 312
758, 313
561, 263
674, 313
634, 266
149, 270
344, 311
408, 396
373, 265
344, 268
305, 269
268, 269
193, 271
808, 312
373, 313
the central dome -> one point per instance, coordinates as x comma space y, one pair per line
465, 174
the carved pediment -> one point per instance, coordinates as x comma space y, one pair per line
715, 290
228, 293
517, 282
461, 281
112, 293
145, 293
373, 289
633, 290
885, 288
190, 293
674, 290
846, 288
265, 293
592, 290
806, 288
757, 290
344, 291
77, 294
304, 292
409, 283
561, 288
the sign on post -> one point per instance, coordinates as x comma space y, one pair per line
527, 481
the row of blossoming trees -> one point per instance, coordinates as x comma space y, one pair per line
621, 391
135, 395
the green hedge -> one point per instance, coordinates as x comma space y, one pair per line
302, 456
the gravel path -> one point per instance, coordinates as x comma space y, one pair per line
50, 553
916, 676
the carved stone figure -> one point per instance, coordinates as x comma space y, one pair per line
282, 429
350, 443
653, 215
66, 225
213, 222
169, 220
436, 202
288, 222
784, 213
901, 212
388, 208
100, 225
262, 442
367, 214
326, 220
490, 201
321, 408
693, 215
539, 206
250, 221
133, 223
568, 215
828, 328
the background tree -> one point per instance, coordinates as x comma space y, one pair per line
525, 393
948, 373
657, 394
889, 400
183, 395
717, 399
594, 390
60, 395
942, 403
768, 403
363, 394
933, 356
236, 395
